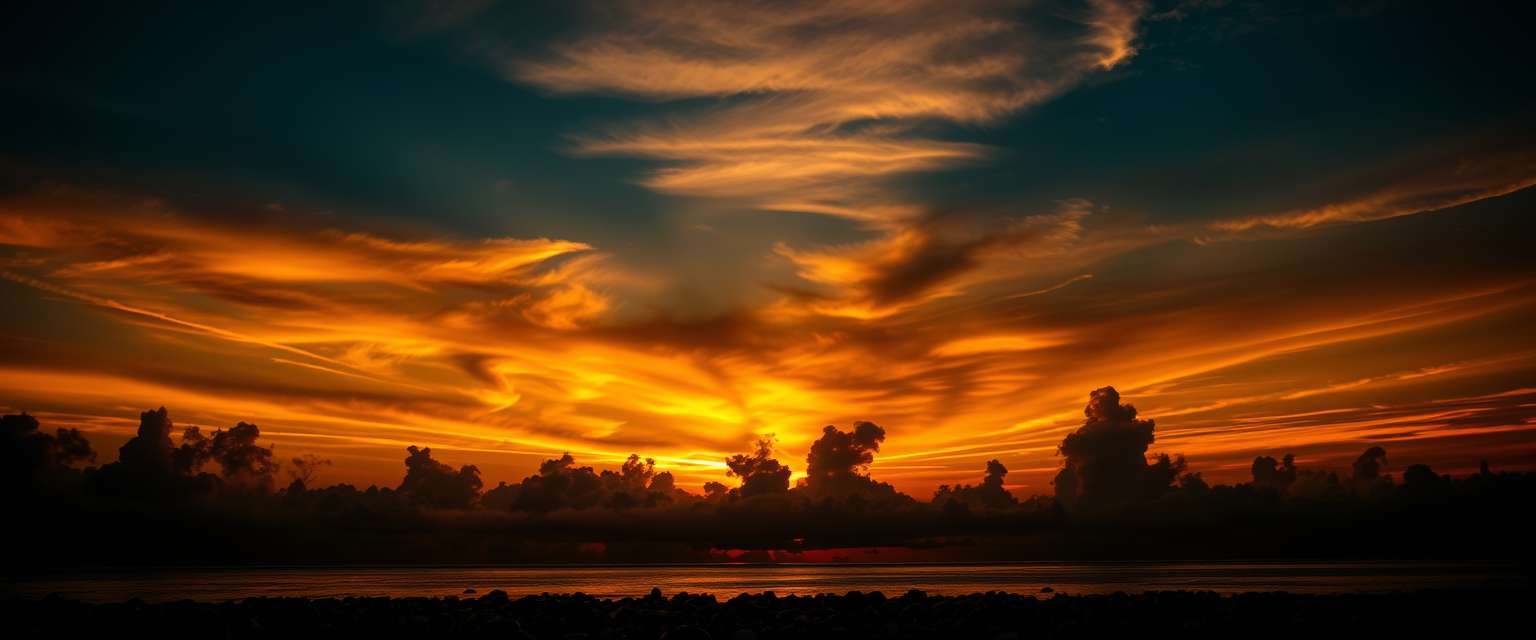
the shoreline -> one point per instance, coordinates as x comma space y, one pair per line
169, 584
763, 616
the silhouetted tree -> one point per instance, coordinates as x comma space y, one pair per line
436, 485
760, 473
1274, 475
1106, 462
240, 460
990, 494
30, 458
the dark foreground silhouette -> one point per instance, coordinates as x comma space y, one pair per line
1458, 613
214, 500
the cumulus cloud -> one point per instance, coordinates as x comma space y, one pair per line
1105, 459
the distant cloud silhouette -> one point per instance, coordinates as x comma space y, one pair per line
433, 484
1106, 462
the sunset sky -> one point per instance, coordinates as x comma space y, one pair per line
506, 231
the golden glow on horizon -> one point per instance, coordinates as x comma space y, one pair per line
461, 365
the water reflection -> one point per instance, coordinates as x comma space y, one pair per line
728, 580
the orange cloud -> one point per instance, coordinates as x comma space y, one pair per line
926, 260
530, 361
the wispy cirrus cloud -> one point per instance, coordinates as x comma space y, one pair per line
108, 243
818, 103
1470, 171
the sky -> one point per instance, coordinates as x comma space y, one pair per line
511, 230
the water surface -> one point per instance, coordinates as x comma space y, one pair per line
728, 580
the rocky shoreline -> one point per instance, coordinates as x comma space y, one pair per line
765, 616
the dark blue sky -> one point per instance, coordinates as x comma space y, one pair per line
341, 109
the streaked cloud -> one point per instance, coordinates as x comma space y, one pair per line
513, 352
818, 103
926, 260
1478, 171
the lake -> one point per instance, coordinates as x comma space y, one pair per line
728, 580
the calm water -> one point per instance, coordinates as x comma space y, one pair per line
728, 580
